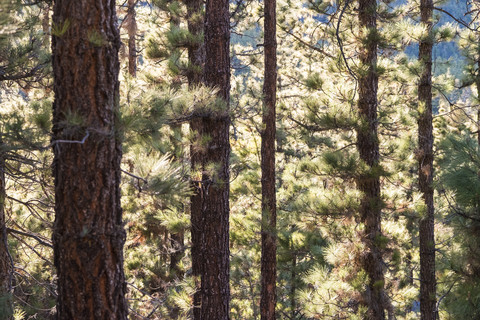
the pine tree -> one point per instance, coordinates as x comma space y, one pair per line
6, 266
425, 168
269, 206
196, 60
132, 33
368, 147
88, 234
215, 175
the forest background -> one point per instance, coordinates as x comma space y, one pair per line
319, 268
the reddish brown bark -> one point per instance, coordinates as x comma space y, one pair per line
213, 160
196, 56
88, 232
425, 170
269, 209
368, 147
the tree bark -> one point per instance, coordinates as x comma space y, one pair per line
368, 147
132, 32
213, 155
6, 265
46, 24
477, 84
88, 233
269, 209
196, 57
177, 242
425, 169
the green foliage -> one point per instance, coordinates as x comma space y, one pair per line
96, 38
42, 117
461, 164
314, 81
180, 38
156, 51
460, 178
19, 315
58, 30
23, 60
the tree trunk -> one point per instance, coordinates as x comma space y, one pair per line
293, 284
196, 57
46, 25
177, 239
477, 84
6, 265
213, 193
88, 232
269, 210
132, 32
368, 147
178, 244
425, 169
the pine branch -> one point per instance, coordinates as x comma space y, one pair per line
460, 21
30, 235
340, 42
315, 48
19, 76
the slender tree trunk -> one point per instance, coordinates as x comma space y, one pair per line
196, 51
88, 233
132, 32
6, 267
368, 147
213, 193
178, 244
46, 24
293, 284
269, 208
477, 84
425, 170
196, 57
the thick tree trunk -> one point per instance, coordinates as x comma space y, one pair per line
213, 193
196, 57
6, 267
132, 32
88, 233
425, 170
368, 147
269, 209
